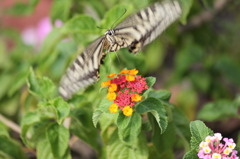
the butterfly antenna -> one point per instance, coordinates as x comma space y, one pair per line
125, 10
117, 57
101, 28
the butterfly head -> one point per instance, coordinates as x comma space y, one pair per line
110, 32
110, 36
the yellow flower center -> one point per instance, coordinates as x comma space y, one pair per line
127, 111
106, 83
136, 97
133, 72
227, 151
124, 71
113, 108
216, 156
111, 75
130, 78
111, 96
112, 87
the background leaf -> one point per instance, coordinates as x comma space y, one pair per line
58, 137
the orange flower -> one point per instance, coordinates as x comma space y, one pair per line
124, 71
111, 96
106, 83
127, 111
133, 72
113, 108
111, 75
136, 98
130, 78
112, 87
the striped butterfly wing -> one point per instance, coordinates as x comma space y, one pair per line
84, 69
143, 27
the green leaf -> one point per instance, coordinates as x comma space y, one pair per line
116, 149
96, 116
218, 110
164, 143
60, 10
58, 137
3, 130
57, 109
229, 68
44, 149
19, 9
186, 6
181, 123
199, 132
115, 15
27, 121
150, 81
82, 126
63, 109
191, 155
81, 24
104, 105
129, 127
23, 8
20, 81
160, 94
156, 108
42, 88
10, 148
33, 3
5, 83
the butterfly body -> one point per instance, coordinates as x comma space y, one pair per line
134, 32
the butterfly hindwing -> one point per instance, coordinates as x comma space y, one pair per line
84, 69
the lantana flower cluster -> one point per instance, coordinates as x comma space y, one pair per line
125, 90
212, 148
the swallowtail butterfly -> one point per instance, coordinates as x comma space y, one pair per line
134, 32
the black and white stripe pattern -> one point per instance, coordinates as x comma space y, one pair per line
134, 32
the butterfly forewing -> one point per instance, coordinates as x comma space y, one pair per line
84, 69
143, 27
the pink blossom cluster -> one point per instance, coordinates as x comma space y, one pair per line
212, 148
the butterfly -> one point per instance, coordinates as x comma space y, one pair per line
133, 33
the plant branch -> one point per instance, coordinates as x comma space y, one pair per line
10, 124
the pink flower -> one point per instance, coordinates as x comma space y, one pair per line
35, 36
212, 148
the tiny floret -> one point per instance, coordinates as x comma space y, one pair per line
113, 108
216, 156
127, 111
111, 96
227, 151
136, 98
106, 83
112, 87
130, 78
111, 75
133, 72
218, 136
